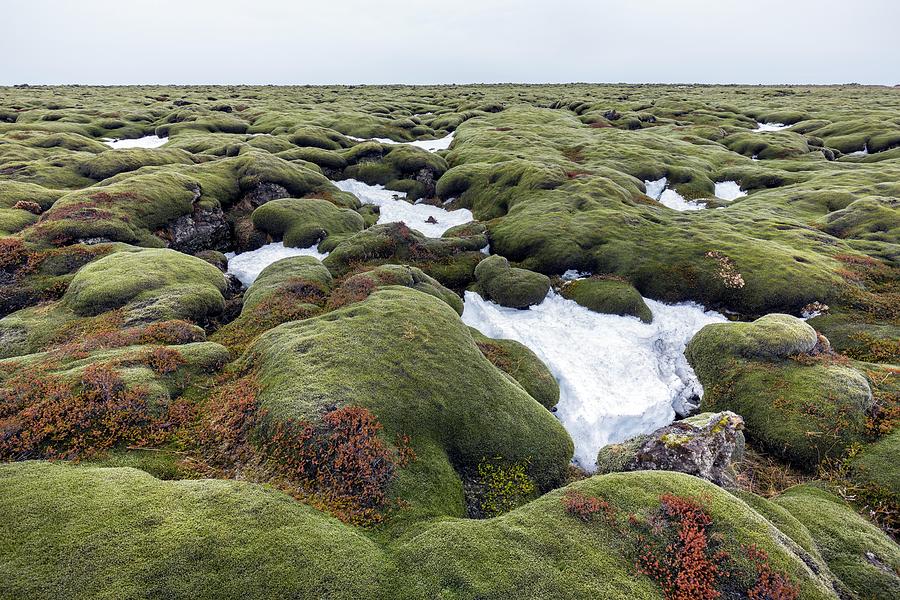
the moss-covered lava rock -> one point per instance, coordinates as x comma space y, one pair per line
510, 286
609, 296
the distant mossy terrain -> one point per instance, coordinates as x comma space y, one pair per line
334, 429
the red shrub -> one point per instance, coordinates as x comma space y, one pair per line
354, 290
341, 460
769, 584
164, 360
338, 463
687, 568
51, 418
32, 207
175, 331
585, 507
13, 254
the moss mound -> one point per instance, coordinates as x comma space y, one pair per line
450, 395
609, 296
797, 405
519, 362
183, 551
304, 222
152, 284
865, 560
510, 286
359, 286
450, 260
190, 538
279, 277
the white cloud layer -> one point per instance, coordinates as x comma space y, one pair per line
459, 41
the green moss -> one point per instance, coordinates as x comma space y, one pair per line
278, 277
359, 286
510, 286
846, 541
71, 528
187, 538
305, 222
523, 365
802, 410
153, 284
113, 162
15, 220
608, 296
876, 466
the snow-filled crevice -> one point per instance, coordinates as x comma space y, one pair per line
247, 266
618, 376
670, 198
432, 221
429, 145
148, 141
729, 190
763, 127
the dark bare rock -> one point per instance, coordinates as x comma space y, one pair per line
705, 445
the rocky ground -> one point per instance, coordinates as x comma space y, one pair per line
449, 342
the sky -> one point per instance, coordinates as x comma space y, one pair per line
456, 41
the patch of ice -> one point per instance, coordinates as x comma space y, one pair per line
667, 197
863, 152
618, 376
432, 221
572, 275
770, 126
148, 141
729, 190
486, 249
247, 266
430, 145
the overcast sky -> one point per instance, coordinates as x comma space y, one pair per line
454, 41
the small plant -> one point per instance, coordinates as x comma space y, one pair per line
499, 488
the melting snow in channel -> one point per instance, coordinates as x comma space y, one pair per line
668, 197
149, 141
247, 266
729, 190
863, 152
430, 145
618, 377
770, 126
393, 208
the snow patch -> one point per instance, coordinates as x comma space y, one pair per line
770, 126
863, 152
429, 145
247, 266
148, 141
432, 221
667, 197
729, 190
618, 376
